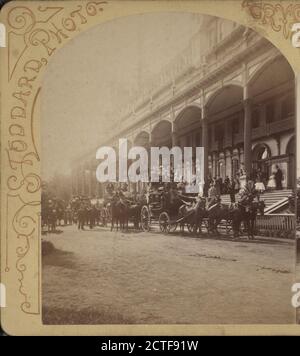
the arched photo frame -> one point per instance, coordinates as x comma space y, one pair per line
35, 31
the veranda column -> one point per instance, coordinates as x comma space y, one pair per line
74, 181
97, 189
175, 142
100, 189
247, 133
228, 160
150, 144
174, 136
77, 181
94, 181
204, 125
80, 180
298, 125
212, 158
90, 179
82, 175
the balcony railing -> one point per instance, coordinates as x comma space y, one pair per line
258, 132
278, 126
238, 138
276, 222
194, 58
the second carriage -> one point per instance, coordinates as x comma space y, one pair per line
167, 212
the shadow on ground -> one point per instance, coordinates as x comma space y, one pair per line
241, 239
91, 316
58, 258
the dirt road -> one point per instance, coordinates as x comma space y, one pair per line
106, 277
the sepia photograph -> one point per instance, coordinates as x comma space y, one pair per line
296, 209
149, 251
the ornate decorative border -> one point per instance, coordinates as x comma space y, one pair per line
280, 16
35, 31
45, 28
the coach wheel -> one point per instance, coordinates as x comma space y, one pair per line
145, 218
173, 227
228, 227
164, 222
190, 228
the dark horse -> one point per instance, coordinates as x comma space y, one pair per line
132, 213
214, 215
246, 214
118, 213
51, 219
194, 216
123, 211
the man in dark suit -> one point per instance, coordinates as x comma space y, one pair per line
231, 190
278, 178
81, 217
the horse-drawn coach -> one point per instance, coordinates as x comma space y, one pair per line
168, 209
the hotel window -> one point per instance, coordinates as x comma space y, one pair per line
188, 141
198, 139
270, 112
219, 133
235, 126
287, 107
209, 136
219, 136
255, 118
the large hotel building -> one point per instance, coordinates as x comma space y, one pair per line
231, 91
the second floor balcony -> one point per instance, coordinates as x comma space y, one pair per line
232, 139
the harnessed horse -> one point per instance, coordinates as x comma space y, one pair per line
247, 213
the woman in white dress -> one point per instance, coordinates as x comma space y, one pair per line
271, 183
259, 185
